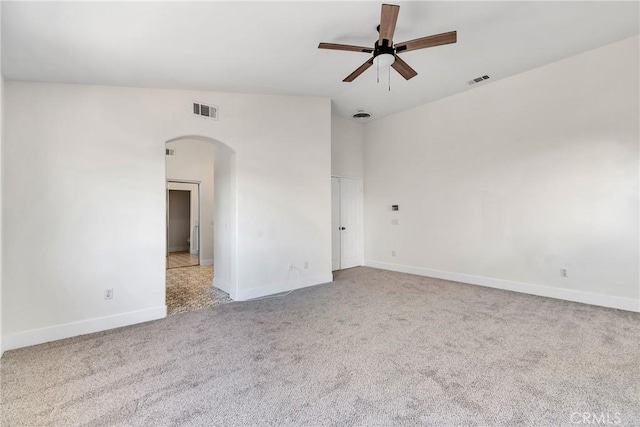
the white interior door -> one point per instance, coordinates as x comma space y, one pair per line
351, 223
335, 223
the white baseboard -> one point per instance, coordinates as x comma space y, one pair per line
206, 262
193, 252
621, 303
178, 248
67, 330
1, 349
276, 288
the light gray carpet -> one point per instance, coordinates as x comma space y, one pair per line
374, 348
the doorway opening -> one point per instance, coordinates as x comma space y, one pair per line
198, 199
347, 231
183, 224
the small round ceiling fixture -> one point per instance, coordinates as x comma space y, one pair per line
385, 60
361, 114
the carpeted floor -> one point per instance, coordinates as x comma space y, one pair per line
191, 288
374, 348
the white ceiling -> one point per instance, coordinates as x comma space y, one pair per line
271, 47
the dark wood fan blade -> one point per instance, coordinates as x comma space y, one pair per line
403, 68
388, 19
430, 41
347, 47
361, 69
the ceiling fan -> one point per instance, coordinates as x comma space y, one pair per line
385, 52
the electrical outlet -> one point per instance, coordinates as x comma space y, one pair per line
306, 265
108, 294
563, 272
393, 253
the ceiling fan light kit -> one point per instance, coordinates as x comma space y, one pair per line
385, 60
385, 52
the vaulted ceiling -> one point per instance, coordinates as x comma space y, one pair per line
271, 47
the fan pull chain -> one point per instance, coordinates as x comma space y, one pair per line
389, 79
377, 72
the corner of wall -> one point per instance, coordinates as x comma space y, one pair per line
1, 148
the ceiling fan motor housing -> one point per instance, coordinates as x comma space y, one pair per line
384, 48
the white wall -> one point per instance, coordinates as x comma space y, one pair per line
84, 171
225, 220
194, 161
509, 182
1, 173
347, 145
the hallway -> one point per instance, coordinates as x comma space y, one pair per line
191, 288
182, 259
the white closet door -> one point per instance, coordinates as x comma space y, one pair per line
335, 224
351, 223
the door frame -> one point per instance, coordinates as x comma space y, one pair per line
185, 181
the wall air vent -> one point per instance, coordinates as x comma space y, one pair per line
479, 79
205, 110
170, 151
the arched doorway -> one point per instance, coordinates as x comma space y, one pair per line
207, 165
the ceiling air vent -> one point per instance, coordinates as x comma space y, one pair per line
205, 110
478, 79
170, 151
361, 114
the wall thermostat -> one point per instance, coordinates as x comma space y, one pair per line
394, 208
